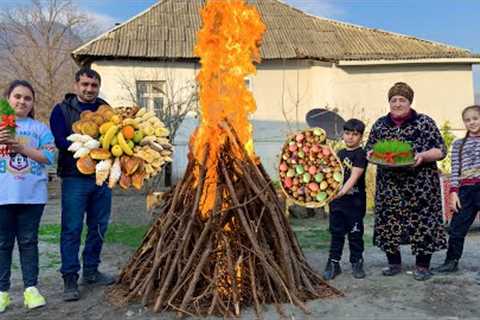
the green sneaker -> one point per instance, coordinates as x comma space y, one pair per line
4, 301
33, 299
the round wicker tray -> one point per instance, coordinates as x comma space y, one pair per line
309, 204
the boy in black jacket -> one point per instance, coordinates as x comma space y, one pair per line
348, 209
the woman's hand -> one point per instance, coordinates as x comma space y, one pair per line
29, 152
455, 202
431, 155
419, 159
16, 147
5, 136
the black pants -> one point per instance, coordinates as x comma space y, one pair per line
462, 220
421, 260
346, 219
19, 222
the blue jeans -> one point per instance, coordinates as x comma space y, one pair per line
81, 195
20, 221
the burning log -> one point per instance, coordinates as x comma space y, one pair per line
245, 253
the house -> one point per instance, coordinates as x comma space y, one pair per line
307, 62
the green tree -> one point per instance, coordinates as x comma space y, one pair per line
446, 131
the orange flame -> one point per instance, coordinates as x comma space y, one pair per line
227, 45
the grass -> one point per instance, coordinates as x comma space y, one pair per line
313, 239
312, 233
117, 234
51, 260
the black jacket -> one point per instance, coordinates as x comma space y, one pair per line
71, 113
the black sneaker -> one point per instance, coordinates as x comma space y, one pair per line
357, 269
332, 270
70, 291
99, 278
447, 267
422, 274
392, 270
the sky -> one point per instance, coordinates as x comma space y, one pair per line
446, 21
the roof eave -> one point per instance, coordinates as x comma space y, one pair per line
82, 59
468, 60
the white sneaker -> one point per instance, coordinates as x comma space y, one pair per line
4, 301
33, 299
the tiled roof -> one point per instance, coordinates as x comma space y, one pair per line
168, 30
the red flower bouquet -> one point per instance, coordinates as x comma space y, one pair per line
7, 120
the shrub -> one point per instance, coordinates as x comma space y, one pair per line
370, 177
446, 164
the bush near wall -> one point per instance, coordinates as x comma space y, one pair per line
445, 165
370, 186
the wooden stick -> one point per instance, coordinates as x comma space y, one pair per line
253, 284
196, 276
163, 290
233, 276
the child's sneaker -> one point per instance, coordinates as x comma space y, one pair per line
357, 269
331, 270
33, 299
447, 267
4, 301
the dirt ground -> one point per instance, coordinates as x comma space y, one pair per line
376, 297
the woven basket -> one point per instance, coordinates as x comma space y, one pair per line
309, 204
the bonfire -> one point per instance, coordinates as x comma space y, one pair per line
221, 241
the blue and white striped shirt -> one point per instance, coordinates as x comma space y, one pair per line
470, 166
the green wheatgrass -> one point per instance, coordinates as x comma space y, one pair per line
395, 146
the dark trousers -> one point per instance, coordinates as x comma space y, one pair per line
421, 260
21, 222
81, 195
346, 219
462, 220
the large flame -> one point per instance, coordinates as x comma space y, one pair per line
227, 45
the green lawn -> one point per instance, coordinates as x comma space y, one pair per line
312, 233
117, 233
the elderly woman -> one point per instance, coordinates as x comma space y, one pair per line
408, 207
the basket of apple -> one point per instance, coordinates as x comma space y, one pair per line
310, 172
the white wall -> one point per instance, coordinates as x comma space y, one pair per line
286, 90
119, 77
441, 91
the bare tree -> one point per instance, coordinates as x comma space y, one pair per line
179, 102
36, 40
180, 97
294, 99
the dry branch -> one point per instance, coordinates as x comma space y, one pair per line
243, 254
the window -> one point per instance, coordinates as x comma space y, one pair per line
248, 83
151, 95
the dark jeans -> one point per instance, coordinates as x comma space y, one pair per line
462, 220
20, 221
346, 219
81, 195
